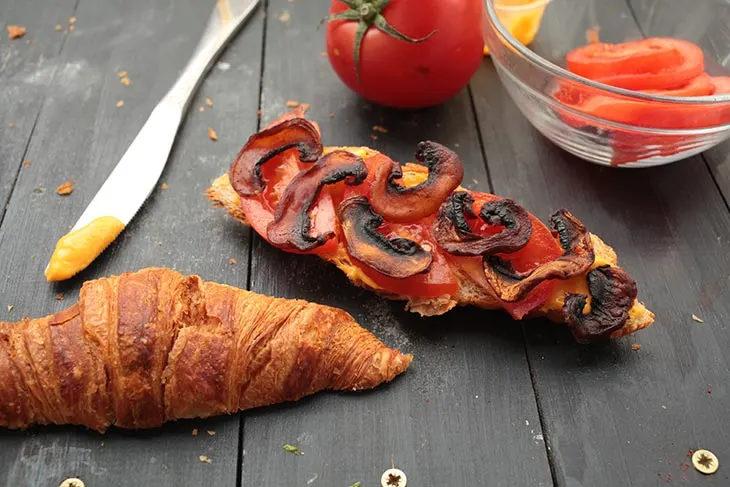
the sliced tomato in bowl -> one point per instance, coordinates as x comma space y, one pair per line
657, 63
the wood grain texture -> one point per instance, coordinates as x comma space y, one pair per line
27, 65
466, 405
81, 135
615, 416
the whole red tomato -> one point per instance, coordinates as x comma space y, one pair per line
412, 54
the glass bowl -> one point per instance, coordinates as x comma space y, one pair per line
678, 127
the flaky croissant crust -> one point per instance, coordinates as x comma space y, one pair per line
147, 347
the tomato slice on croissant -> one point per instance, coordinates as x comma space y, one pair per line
409, 231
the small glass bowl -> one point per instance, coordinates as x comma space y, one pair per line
678, 127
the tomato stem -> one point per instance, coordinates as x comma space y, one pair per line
369, 14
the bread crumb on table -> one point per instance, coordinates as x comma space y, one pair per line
125, 81
292, 104
380, 128
122, 74
205, 459
212, 135
635, 346
697, 319
15, 32
211, 432
27, 163
209, 102
119, 103
59, 297
285, 16
66, 188
164, 186
232, 261
195, 432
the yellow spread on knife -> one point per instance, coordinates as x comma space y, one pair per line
75, 251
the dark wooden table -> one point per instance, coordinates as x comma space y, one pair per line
487, 402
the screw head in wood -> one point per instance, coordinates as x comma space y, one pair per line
72, 482
393, 478
705, 462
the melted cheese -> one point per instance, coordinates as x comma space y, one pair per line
75, 251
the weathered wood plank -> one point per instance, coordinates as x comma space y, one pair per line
26, 67
466, 407
81, 135
614, 416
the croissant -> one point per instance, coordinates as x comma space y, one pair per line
152, 346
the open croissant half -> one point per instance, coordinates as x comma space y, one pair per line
411, 232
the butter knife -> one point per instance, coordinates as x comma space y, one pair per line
137, 172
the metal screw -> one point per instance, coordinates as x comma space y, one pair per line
705, 462
393, 478
72, 482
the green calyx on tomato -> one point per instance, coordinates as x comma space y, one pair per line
369, 14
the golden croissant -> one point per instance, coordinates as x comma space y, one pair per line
152, 346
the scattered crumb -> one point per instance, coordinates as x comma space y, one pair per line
15, 32
373, 136
381, 129
59, 27
292, 104
71, 27
164, 186
332, 115
635, 346
10, 308
202, 109
592, 34
122, 74
663, 406
232, 261
697, 319
66, 188
259, 112
119, 103
72, 20
211, 432
223, 66
195, 432
293, 449
27, 163
59, 297
209, 102
285, 16
323, 53
205, 459
11, 125
212, 135
125, 81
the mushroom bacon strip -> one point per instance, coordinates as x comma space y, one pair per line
245, 172
402, 205
291, 226
511, 286
612, 295
454, 235
398, 257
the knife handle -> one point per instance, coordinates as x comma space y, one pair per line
221, 26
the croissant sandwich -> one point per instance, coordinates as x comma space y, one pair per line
153, 346
411, 232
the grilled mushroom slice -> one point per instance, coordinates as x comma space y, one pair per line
245, 172
612, 295
511, 286
398, 257
400, 204
454, 235
292, 223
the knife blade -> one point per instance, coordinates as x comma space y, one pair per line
138, 171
